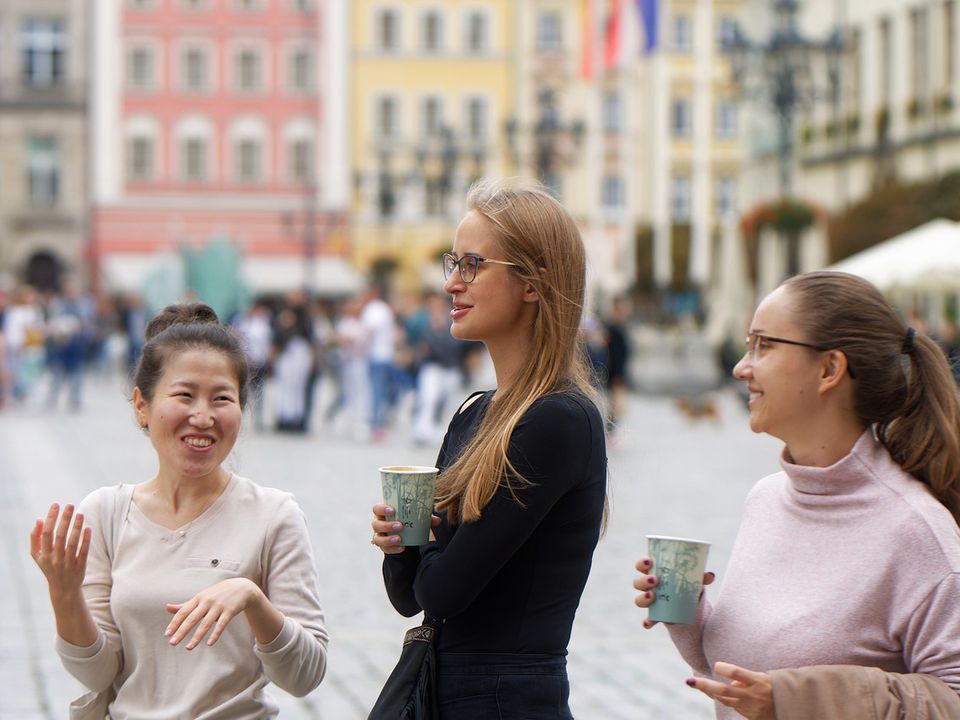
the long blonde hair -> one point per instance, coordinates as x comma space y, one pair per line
539, 236
903, 386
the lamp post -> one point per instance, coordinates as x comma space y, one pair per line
310, 236
554, 142
782, 72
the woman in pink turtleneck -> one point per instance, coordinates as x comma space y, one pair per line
842, 597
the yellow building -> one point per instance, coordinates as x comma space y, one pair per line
431, 87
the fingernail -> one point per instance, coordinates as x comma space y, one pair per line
388, 511
396, 526
648, 594
394, 539
646, 562
691, 682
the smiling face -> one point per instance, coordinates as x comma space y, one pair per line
498, 306
194, 415
782, 379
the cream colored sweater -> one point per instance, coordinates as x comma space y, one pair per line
249, 531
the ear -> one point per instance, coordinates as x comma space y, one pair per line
833, 370
140, 407
530, 294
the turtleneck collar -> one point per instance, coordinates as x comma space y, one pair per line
851, 472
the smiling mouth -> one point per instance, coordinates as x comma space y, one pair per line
198, 442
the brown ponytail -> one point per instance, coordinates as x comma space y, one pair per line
903, 386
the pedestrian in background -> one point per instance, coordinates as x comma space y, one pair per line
293, 364
840, 599
381, 330
141, 575
522, 480
618, 356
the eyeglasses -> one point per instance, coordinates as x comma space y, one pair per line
467, 265
755, 342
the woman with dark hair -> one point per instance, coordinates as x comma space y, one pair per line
141, 575
841, 597
522, 480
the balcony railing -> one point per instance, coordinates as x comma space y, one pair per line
21, 94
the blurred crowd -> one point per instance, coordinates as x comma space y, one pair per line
385, 366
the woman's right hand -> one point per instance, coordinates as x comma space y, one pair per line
647, 581
61, 550
386, 529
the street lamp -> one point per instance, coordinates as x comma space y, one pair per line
554, 141
782, 71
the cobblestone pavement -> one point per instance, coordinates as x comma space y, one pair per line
669, 474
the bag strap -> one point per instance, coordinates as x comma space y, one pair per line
115, 505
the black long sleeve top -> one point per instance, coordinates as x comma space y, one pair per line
511, 581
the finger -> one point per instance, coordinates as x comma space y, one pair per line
203, 628
645, 599
84, 547
188, 624
435, 520
386, 527
73, 540
717, 690
709, 577
645, 582
383, 511
180, 614
390, 544
738, 674
644, 565
49, 522
60, 535
221, 625
647, 624
35, 538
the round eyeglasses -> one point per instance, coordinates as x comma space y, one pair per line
468, 265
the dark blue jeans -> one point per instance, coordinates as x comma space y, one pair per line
503, 686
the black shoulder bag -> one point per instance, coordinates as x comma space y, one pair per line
410, 692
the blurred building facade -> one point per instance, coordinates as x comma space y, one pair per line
897, 114
212, 119
43, 157
431, 85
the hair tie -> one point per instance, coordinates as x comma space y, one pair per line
907, 348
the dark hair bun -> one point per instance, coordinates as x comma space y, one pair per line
186, 314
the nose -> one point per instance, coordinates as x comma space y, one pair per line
453, 283
742, 368
201, 416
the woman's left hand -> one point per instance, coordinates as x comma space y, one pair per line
212, 608
749, 693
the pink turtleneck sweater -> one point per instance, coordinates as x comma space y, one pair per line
852, 564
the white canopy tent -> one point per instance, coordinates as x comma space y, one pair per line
918, 269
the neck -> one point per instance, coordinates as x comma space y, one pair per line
830, 443
185, 492
508, 359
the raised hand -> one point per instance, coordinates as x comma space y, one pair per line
60, 550
213, 609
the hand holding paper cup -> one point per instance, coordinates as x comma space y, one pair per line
410, 490
679, 564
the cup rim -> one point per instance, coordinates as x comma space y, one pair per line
409, 469
681, 539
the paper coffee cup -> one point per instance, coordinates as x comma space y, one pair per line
410, 490
679, 564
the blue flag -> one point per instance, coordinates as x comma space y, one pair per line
649, 13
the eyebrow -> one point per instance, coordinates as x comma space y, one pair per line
194, 386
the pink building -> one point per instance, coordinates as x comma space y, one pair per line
211, 119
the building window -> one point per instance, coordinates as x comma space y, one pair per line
549, 31
301, 161
140, 160
194, 70
680, 198
301, 70
43, 171
140, 69
141, 4
949, 43
476, 33
388, 117
248, 70
613, 192
726, 31
44, 44
194, 4
248, 5
477, 119
612, 112
432, 32
388, 31
431, 116
726, 127
194, 159
680, 118
303, 6
682, 33
247, 160
920, 45
725, 197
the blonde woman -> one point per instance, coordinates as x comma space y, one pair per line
523, 468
